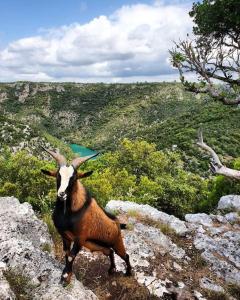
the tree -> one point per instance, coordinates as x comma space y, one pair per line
214, 53
219, 19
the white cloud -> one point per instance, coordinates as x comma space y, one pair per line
129, 45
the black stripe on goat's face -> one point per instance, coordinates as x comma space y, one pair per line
66, 176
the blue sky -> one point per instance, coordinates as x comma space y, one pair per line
70, 40
22, 18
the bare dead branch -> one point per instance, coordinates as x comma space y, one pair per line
216, 165
204, 146
210, 61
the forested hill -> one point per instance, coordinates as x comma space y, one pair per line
100, 115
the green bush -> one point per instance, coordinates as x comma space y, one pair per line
138, 172
20, 176
221, 186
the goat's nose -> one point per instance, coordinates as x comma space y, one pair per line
61, 194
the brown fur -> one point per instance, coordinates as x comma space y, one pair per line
95, 224
78, 196
94, 230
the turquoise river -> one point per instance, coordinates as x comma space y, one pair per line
81, 150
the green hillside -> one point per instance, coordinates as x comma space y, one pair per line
101, 115
122, 121
20, 135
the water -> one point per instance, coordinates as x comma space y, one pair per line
81, 150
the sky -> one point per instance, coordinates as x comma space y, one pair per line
90, 41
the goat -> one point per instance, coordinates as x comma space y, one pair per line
80, 220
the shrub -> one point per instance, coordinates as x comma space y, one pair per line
138, 172
20, 176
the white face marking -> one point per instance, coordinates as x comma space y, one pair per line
70, 258
66, 173
65, 275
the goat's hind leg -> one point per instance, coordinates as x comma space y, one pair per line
112, 268
120, 250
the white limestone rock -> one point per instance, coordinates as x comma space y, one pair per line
200, 218
229, 203
156, 237
222, 253
208, 284
199, 296
146, 210
218, 218
22, 240
233, 217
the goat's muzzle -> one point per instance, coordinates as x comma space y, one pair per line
62, 196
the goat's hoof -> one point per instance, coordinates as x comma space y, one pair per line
66, 278
128, 273
111, 271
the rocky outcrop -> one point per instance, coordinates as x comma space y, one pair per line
25, 90
146, 210
24, 252
3, 96
20, 136
229, 203
202, 219
171, 258
202, 252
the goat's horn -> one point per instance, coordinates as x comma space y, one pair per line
76, 162
61, 160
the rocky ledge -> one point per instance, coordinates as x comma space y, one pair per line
26, 257
198, 258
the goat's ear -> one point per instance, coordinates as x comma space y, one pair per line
49, 173
83, 175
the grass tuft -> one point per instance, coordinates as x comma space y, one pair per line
57, 241
234, 290
199, 262
133, 214
46, 247
212, 295
19, 284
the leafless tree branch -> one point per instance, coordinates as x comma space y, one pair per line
210, 61
216, 165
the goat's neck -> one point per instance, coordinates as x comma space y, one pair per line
78, 196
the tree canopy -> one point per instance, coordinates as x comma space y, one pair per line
216, 18
214, 52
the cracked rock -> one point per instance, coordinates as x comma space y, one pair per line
22, 239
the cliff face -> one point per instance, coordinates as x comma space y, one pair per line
27, 265
172, 259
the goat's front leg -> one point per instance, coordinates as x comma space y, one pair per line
69, 259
